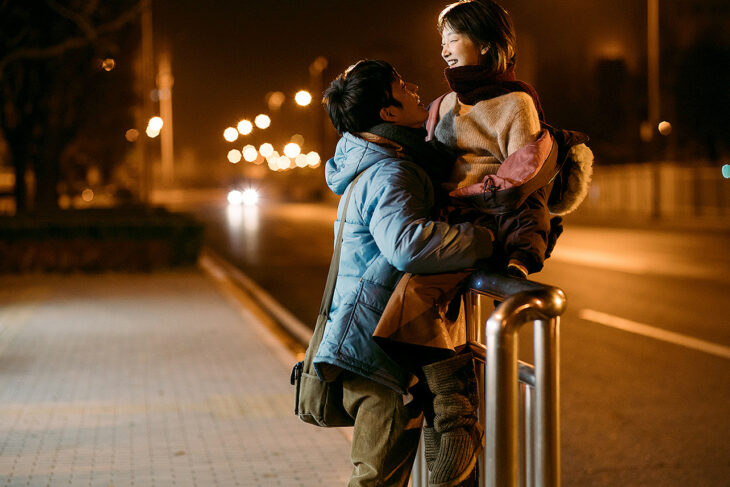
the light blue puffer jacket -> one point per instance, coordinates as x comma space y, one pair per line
387, 231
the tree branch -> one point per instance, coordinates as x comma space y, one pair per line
74, 17
90, 6
78, 42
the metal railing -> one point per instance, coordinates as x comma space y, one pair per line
520, 402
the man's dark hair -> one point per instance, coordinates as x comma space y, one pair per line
353, 100
487, 24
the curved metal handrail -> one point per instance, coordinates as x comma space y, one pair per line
494, 341
500, 286
536, 304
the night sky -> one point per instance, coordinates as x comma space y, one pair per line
227, 54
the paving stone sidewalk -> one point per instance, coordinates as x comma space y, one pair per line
149, 380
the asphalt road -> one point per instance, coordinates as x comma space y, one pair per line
645, 342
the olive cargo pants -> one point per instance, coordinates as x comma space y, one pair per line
386, 433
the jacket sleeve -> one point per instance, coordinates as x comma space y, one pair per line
399, 202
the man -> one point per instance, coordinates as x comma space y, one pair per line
388, 231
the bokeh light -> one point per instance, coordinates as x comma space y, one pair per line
262, 121
313, 159
108, 64
665, 128
235, 197
726, 171
155, 123
274, 99
151, 132
131, 135
230, 134
318, 65
297, 139
301, 160
646, 131
292, 149
274, 155
284, 162
234, 156
249, 153
244, 127
266, 149
303, 98
250, 197
87, 195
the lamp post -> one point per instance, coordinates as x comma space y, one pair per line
316, 68
164, 87
146, 83
652, 18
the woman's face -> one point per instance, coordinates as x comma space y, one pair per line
458, 49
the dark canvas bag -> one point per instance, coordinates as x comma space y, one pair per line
315, 401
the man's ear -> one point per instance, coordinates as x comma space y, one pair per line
387, 114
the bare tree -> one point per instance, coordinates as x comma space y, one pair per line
52, 83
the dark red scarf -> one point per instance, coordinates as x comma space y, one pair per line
475, 83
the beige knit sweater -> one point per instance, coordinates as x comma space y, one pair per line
485, 133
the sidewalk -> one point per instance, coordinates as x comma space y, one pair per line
165, 379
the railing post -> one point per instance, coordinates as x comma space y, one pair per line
502, 463
419, 474
547, 407
501, 401
529, 438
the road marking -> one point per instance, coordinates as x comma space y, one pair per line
638, 263
653, 332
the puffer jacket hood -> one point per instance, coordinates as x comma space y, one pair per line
352, 156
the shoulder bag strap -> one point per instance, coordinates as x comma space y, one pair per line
329, 288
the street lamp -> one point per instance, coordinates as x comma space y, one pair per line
292, 149
313, 159
108, 64
244, 127
274, 100
230, 134
155, 123
665, 128
131, 135
303, 98
262, 121
652, 21
234, 156
153, 127
266, 149
249, 153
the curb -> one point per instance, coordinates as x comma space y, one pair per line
215, 264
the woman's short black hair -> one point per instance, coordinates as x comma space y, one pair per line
488, 25
354, 99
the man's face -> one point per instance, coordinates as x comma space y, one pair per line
412, 113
